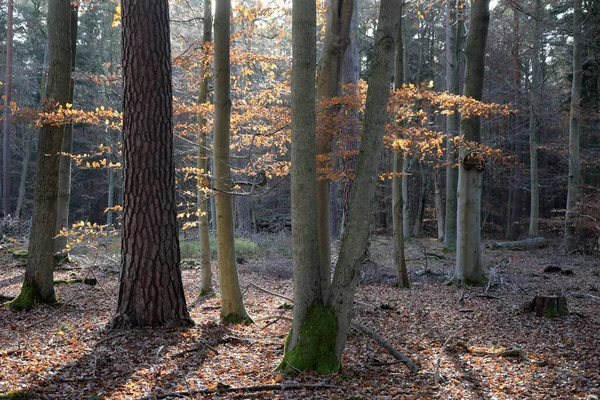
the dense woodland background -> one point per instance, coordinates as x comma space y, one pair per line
88, 90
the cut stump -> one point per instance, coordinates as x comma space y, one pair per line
549, 306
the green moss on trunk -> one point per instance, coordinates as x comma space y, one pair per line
30, 295
316, 349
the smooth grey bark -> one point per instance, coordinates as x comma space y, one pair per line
337, 37
64, 172
439, 204
38, 285
6, 206
454, 33
574, 128
534, 95
469, 269
203, 202
307, 275
397, 203
232, 305
27, 146
354, 241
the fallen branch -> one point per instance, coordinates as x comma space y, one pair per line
520, 245
201, 346
223, 389
388, 347
6, 298
436, 373
268, 291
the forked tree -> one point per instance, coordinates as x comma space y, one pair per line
321, 325
151, 291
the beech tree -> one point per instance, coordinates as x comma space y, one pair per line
38, 285
321, 325
534, 109
150, 291
232, 304
5, 187
469, 269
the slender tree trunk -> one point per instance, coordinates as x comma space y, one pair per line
38, 285
28, 145
423, 194
64, 174
536, 68
397, 216
439, 204
6, 206
150, 291
574, 128
454, 33
110, 202
405, 198
232, 305
337, 37
203, 162
469, 269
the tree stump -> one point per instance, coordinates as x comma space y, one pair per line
549, 306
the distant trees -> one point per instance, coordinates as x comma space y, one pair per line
150, 292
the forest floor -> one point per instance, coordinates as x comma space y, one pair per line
458, 336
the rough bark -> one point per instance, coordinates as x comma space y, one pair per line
469, 269
203, 202
574, 128
536, 69
232, 305
64, 174
7, 117
38, 283
397, 203
454, 33
151, 291
337, 37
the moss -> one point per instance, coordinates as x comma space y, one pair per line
483, 281
29, 296
20, 254
316, 349
236, 319
447, 250
16, 396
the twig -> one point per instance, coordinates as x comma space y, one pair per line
436, 374
201, 346
489, 296
259, 388
268, 291
388, 347
106, 339
588, 295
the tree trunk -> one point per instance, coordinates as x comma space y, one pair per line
151, 291
64, 174
439, 204
38, 283
28, 145
232, 305
469, 269
203, 161
405, 197
423, 192
536, 69
454, 33
574, 128
397, 203
7, 117
337, 37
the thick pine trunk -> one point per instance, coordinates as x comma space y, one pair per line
203, 202
38, 283
469, 268
574, 128
232, 305
64, 174
151, 291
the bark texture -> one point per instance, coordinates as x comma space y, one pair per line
469, 269
38, 283
536, 71
6, 121
574, 128
151, 292
203, 162
232, 305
